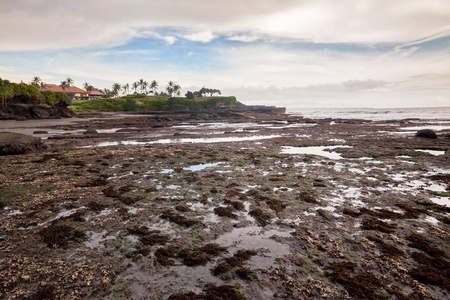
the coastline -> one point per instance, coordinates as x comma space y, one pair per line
121, 201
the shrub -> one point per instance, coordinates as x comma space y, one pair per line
56, 98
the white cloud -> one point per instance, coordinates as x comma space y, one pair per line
52, 24
169, 39
243, 38
204, 36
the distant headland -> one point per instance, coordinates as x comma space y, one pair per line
39, 100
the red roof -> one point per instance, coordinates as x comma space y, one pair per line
95, 92
57, 88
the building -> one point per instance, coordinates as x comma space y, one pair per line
95, 94
73, 91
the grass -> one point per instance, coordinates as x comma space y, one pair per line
142, 103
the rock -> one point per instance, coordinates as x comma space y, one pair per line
28, 111
90, 130
40, 132
39, 112
426, 133
16, 143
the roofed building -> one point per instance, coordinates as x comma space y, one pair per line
72, 91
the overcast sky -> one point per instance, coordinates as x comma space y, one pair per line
294, 53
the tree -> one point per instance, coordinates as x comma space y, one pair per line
42, 85
63, 84
36, 80
145, 85
154, 86
190, 95
69, 82
141, 85
135, 86
115, 89
126, 88
169, 88
176, 89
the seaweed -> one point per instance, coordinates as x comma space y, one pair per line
212, 292
261, 217
111, 192
46, 292
411, 212
201, 255
178, 219
387, 249
307, 197
246, 274
431, 270
350, 212
155, 238
165, 256
225, 212
363, 285
325, 214
238, 205
58, 236
276, 205
96, 206
374, 224
237, 260
418, 241
182, 208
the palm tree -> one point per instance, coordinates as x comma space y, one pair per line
115, 89
63, 84
42, 85
36, 80
135, 86
69, 82
169, 87
126, 88
176, 89
154, 86
145, 86
141, 84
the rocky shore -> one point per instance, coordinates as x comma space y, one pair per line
226, 205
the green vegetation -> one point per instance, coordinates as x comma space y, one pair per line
141, 103
29, 93
56, 98
23, 93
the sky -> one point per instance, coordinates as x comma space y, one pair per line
292, 53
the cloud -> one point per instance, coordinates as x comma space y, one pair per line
204, 36
169, 39
243, 38
53, 24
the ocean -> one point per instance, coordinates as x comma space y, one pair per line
374, 114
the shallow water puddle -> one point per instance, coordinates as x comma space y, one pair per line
185, 140
96, 238
432, 127
254, 238
432, 152
316, 150
111, 130
196, 168
64, 213
441, 200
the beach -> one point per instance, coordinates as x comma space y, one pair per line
262, 206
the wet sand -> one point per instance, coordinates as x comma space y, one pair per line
128, 207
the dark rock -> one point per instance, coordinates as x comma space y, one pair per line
426, 133
40, 132
22, 111
16, 143
39, 112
